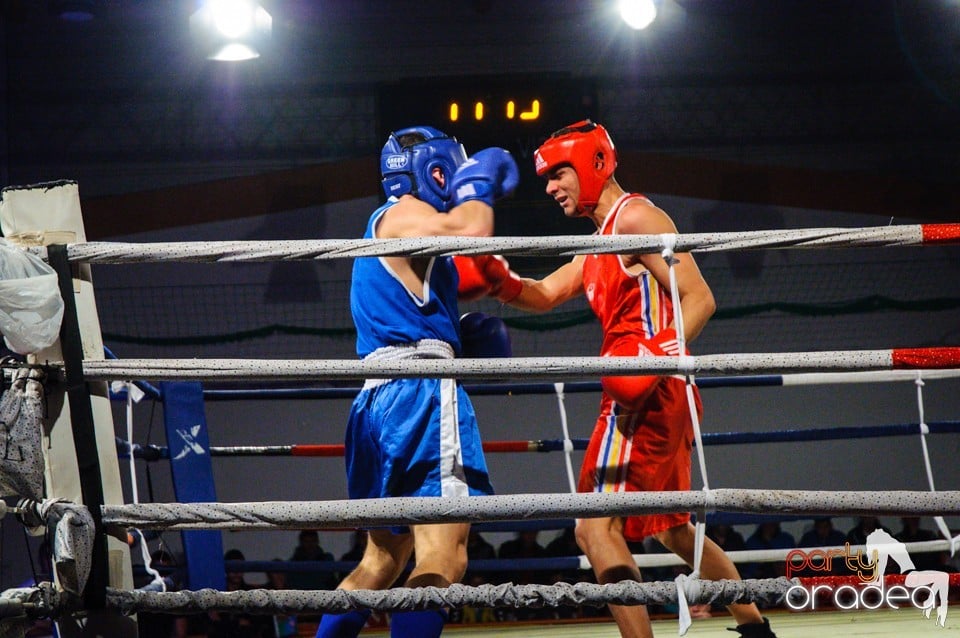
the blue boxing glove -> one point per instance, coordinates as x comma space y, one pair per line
484, 336
487, 176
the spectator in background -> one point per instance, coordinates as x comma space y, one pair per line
729, 539
478, 548
525, 545
865, 525
283, 626
355, 553
768, 535
564, 546
911, 532
309, 549
823, 534
231, 625
155, 625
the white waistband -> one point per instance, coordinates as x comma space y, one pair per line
423, 349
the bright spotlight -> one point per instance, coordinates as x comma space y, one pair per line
638, 14
231, 30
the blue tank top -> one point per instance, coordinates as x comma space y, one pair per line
386, 313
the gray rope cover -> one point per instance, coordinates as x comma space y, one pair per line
564, 245
391, 511
516, 367
265, 601
22, 408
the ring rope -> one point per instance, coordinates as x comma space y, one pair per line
45, 601
527, 367
561, 245
487, 389
263, 601
380, 512
160, 452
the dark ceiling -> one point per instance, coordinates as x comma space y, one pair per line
840, 105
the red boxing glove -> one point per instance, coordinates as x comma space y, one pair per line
632, 392
486, 276
664, 343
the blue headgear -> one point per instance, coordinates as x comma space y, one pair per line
407, 169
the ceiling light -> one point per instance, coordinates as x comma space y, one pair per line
231, 30
638, 14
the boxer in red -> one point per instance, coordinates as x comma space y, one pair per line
643, 437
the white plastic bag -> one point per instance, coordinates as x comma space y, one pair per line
30, 304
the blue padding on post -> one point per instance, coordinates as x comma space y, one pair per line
189, 445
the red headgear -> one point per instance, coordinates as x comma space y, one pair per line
586, 147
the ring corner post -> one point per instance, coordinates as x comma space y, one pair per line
80, 460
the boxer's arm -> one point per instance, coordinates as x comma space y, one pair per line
696, 299
563, 284
411, 217
486, 275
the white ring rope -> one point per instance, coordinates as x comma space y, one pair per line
263, 601
526, 367
46, 601
516, 507
872, 376
562, 245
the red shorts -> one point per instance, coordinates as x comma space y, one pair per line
643, 451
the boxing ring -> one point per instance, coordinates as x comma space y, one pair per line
84, 579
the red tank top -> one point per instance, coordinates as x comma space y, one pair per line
625, 303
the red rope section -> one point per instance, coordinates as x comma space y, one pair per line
316, 450
940, 233
926, 358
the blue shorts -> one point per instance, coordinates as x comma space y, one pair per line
414, 437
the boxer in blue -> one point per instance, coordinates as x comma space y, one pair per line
417, 437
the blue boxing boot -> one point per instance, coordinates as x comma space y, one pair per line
346, 625
417, 624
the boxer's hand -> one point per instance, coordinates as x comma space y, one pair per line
486, 275
487, 176
632, 392
483, 335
